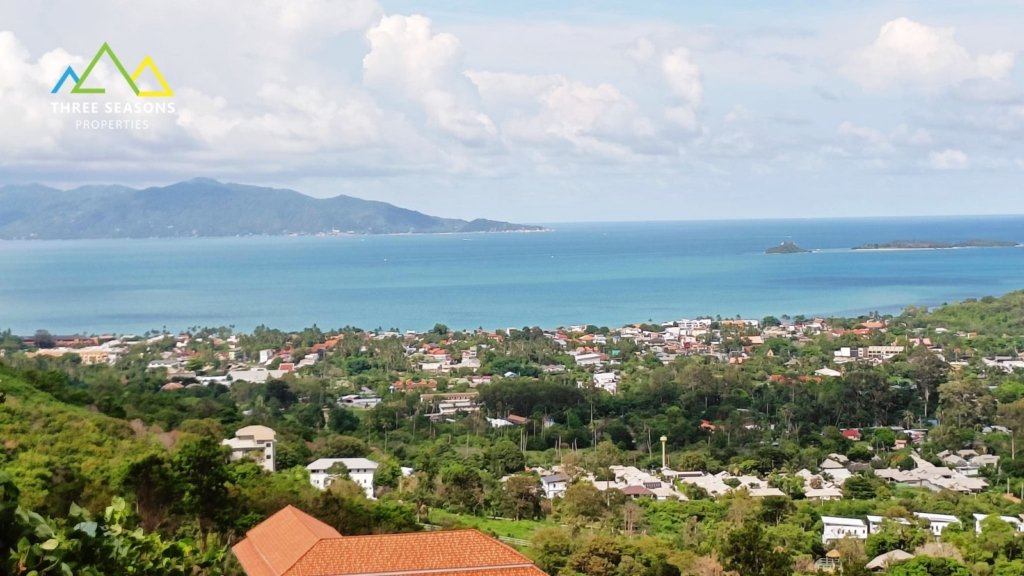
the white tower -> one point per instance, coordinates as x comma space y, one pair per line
664, 457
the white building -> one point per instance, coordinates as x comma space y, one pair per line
554, 485
360, 471
1012, 521
607, 381
256, 375
588, 359
256, 442
837, 528
937, 522
875, 523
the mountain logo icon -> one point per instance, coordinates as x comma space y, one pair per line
80, 82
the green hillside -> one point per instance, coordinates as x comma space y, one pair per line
54, 451
205, 207
991, 315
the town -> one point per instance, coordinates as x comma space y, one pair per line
878, 434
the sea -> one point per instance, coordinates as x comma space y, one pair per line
606, 274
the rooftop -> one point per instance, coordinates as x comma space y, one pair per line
292, 543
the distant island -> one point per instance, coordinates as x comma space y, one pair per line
786, 248
205, 208
931, 245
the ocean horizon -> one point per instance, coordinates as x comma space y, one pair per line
603, 273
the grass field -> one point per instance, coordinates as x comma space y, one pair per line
522, 529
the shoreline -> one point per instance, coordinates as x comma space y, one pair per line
931, 248
893, 310
266, 236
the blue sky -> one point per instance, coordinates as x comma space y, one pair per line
540, 111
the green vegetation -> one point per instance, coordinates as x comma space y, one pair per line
196, 208
109, 445
932, 245
786, 248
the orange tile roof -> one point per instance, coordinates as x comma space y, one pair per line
454, 551
292, 543
274, 545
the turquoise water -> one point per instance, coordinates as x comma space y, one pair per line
606, 274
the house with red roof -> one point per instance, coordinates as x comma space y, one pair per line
293, 543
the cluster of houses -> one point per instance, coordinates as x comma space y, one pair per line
835, 528
91, 351
961, 477
637, 483
268, 365
631, 481
594, 351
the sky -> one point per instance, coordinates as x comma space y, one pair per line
537, 111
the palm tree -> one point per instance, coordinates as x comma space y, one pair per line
907, 418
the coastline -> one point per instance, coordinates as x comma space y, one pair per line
932, 249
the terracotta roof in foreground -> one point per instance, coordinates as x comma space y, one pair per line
292, 543
274, 545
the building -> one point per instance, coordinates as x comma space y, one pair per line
257, 375
588, 359
554, 485
836, 528
883, 352
607, 381
256, 442
293, 543
451, 403
360, 471
1016, 523
937, 522
875, 523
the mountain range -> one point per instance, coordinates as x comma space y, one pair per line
205, 207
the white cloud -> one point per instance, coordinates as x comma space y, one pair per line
28, 127
641, 51
552, 110
685, 84
739, 113
875, 141
871, 137
948, 159
913, 55
407, 55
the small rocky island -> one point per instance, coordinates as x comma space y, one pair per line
786, 248
931, 245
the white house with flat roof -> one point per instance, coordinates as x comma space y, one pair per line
256, 442
360, 471
836, 528
937, 522
607, 381
1011, 520
588, 359
875, 523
